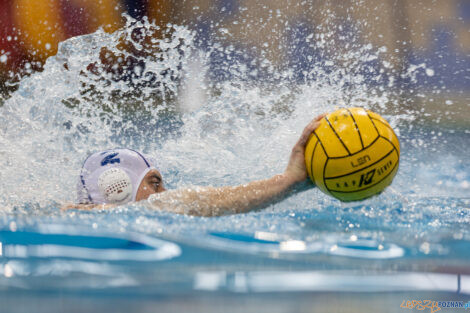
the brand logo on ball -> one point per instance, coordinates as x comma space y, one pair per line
366, 178
360, 161
385, 168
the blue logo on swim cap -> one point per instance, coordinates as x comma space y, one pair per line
110, 159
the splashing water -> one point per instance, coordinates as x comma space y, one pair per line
216, 115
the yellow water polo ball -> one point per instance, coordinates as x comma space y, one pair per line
353, 154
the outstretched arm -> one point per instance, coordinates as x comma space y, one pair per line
215, 201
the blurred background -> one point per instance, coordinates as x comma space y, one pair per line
434, 35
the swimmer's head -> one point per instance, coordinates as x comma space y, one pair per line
118, 176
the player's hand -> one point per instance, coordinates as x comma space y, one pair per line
296, 170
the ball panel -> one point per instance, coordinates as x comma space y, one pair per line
317, 167
345, 129
366, 128
370, 177
332, 145
377, 117
309, 153
368, 157
387, 132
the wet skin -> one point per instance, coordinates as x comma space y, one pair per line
152, 183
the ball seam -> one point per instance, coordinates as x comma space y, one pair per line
339, 138
357, 128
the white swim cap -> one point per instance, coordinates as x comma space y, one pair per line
112, 176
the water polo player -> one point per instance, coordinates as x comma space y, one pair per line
119, 176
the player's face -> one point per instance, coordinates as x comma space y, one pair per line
152, 183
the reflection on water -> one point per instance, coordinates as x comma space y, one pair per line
69, 243
273, 244
264, 282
